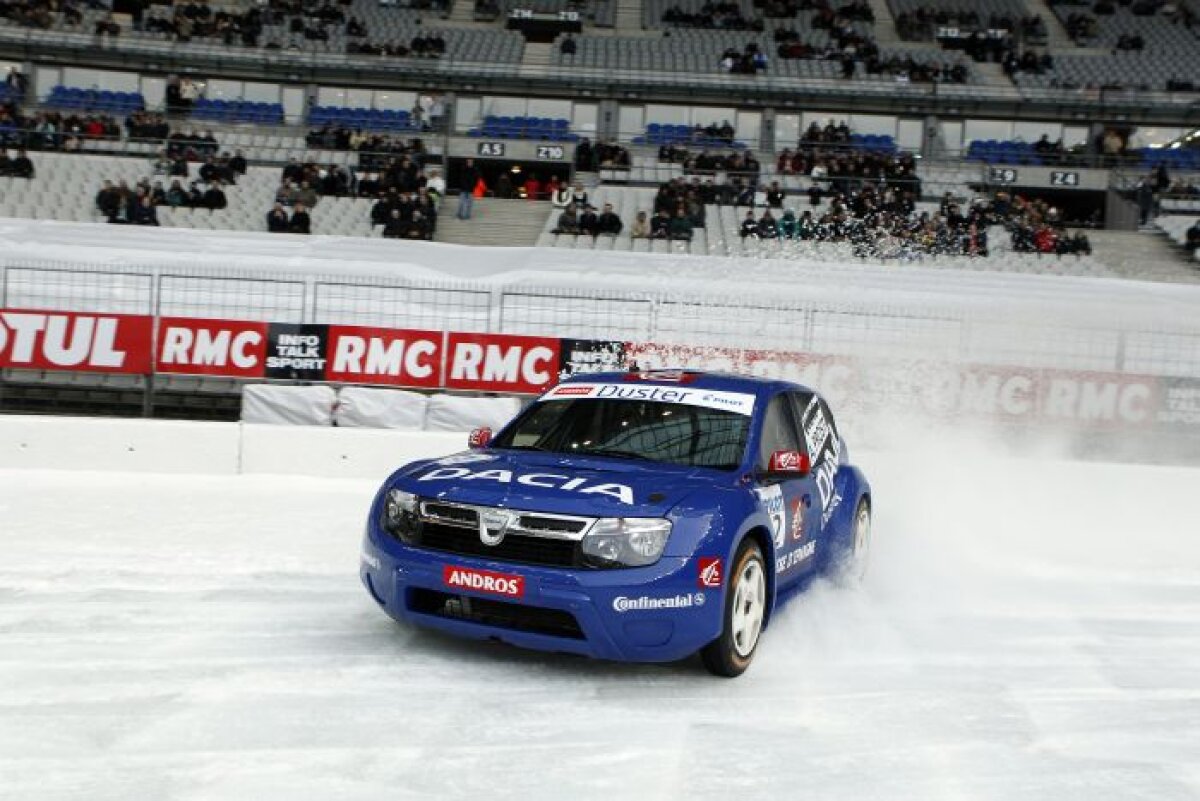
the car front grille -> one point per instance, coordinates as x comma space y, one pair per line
517, 617
531, 538
516, 548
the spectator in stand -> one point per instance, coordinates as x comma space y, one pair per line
277, 219
609, 222
562, 197
108, 199
395, 226
568, 46
660, 224
589, 223
417, 227
749, 225
788, 225
436, 185
176, 196
532, 188
585, 156
467, 180
681, 226
767, 226
145, 213
775, 195
1192, 239
238, 163
20, 167
568, 221
214, 197
300, 223
641, 226
307, 195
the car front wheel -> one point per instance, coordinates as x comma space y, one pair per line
745, 612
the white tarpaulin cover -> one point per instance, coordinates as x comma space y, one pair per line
457, 413
365, 407
275, 403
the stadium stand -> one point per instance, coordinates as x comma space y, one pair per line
362, 27
1153, 51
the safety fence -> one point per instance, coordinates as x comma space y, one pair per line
964, 361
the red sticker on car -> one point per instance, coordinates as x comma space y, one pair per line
710, 572
465, 578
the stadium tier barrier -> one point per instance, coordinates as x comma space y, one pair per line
187, 447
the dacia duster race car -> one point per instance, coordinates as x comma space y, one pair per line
627, 516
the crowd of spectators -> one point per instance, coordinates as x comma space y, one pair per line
707, 162
28, 13
430, 46
726, 15
590, 156
718, 14
339, 137
581, 218
52, 130
147, 125
138, 205
192, 146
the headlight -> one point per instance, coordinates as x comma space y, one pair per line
400, 514
626, 541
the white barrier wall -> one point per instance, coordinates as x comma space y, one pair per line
167, 446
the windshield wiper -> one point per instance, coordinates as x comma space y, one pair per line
526, 448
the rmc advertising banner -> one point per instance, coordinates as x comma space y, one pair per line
515, 364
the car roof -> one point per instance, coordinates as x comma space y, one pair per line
696, 379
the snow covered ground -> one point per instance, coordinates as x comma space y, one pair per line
1030, 631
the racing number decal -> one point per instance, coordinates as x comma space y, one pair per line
772, 501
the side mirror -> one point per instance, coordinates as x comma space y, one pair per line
479, 438
789, 464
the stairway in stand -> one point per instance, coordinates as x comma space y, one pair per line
1144, 255
628, 21
885, 24
537, 58
494, 222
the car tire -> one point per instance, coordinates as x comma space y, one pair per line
744, 615
858, 555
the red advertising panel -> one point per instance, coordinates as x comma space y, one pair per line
501, 363
231, 348
85, 342
395, 356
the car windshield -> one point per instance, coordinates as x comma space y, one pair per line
671, 433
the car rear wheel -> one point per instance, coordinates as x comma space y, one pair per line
859, 557
745, 612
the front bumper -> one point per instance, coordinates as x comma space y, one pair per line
658, 613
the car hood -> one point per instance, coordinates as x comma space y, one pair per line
544, 482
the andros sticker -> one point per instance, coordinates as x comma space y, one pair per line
465, 578
709, 572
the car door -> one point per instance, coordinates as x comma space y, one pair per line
789, 499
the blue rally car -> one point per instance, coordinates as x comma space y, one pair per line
629, 516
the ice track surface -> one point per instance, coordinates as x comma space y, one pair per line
1030, 630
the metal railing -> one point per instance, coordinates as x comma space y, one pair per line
1082, 332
